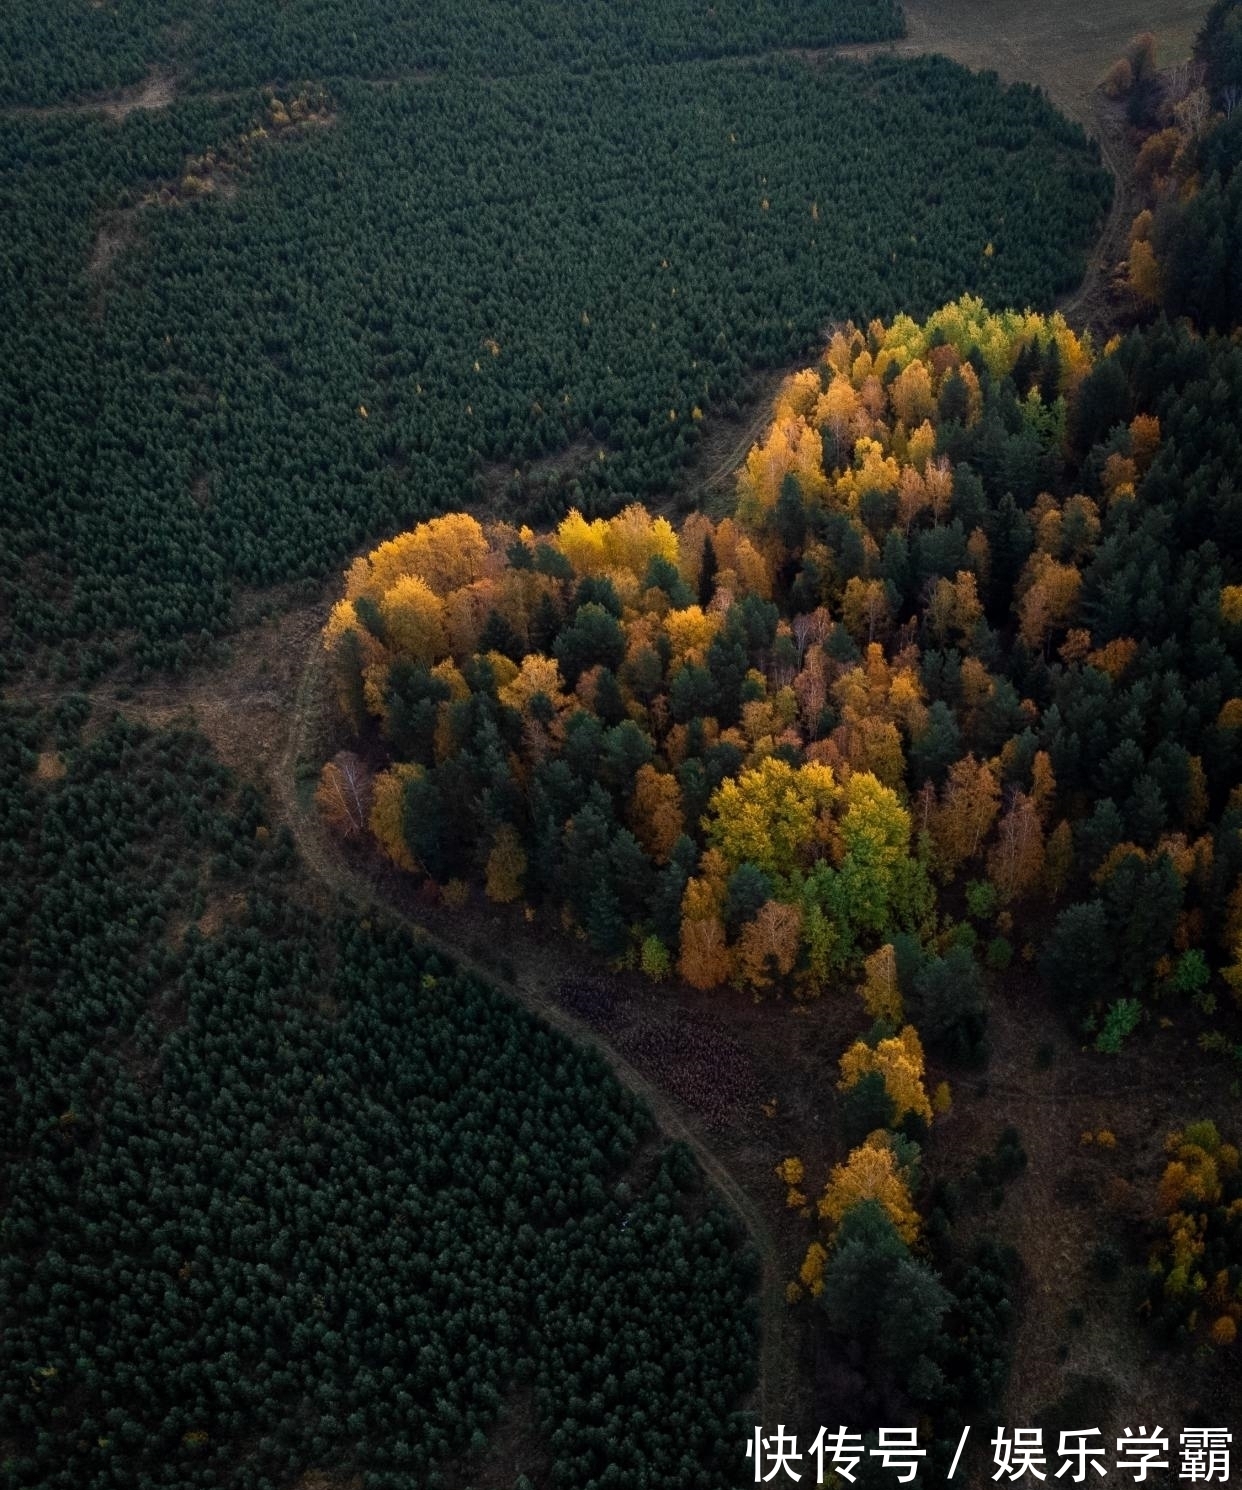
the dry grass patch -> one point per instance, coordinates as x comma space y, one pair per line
50, 767
1063, 47
116, 233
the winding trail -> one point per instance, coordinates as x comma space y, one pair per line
323, 859
1088, 307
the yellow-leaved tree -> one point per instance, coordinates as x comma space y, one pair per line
872, 1172
900, 1062
1231, 604
880, 992
387, 821
445, 553
773, 815
537, 675
413, 617
969, 805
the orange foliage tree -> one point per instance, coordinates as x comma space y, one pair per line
344, 794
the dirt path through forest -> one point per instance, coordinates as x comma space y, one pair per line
535, 993
156, 91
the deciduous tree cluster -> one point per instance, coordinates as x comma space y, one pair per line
945, 634
1195, 1287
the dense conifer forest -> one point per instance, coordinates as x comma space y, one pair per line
55, 51
241, 338
292, 1193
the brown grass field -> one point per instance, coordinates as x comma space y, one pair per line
1062, 46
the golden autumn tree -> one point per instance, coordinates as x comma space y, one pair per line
750, 574
387, 820
536, 675
865, 610
1119, 475
911, 394
792, 1171
906, 701
1231, 604
873, 470
900, 1062
1043, 785
705, 960
633, 538
912, 497
839, 414
790, 448
1144, 440
871, 1173
690, 631
979, 555
583, 543
872, 746
452, 551
1016, 861
445, 553
772, 815
920, 447
1049, 598
954, 610
880, 991
413, 617
695, 539
1143, 273
352, 650
1114, 657
1224, 1331
969, 805
465, 614
811, 1272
